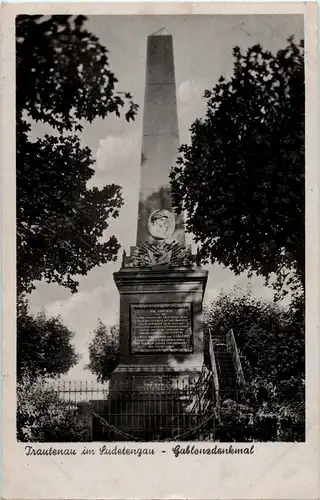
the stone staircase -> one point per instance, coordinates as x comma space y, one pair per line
218, 338
226, 373
228, 367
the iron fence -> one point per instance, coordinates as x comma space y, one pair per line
76, 391
145, 405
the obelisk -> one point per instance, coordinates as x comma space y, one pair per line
160, 138
161, 290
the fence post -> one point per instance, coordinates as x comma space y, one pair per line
85, 416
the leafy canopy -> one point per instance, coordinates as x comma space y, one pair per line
63, 73
63, 79
44, 345
269, 336
241, 180
104, 351
271, 343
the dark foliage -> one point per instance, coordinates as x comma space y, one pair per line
44, 345
42, 416
241, 181
63, 78
63, 73
270, 337
271, 342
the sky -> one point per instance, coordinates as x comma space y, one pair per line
202, 53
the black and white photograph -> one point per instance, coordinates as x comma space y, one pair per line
160, 208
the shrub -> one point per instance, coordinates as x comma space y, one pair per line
104, 353
42, 416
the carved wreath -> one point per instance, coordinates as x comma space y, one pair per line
170, 254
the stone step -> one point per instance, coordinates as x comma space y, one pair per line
225, 361
218, 337
226, 372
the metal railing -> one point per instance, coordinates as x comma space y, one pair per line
144, 405
233, 349
215, 378
78, 391
153, 406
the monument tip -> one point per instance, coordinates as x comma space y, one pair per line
161, 32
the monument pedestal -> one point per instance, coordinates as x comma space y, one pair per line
161, 317
161, 349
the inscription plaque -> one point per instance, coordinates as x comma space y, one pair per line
161, 328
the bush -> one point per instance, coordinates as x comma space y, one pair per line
44, 345
104, 353
275, 419
271, 343
42, 416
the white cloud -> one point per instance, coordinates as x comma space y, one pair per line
80, 313
118, 162
190, 91
116, 152
191, 105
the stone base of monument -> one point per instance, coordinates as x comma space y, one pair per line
161, 317
155, 391
154, 404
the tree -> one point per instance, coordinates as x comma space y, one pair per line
271, 342
241, 180
270, 336
44, 345
63, 78
42, 416
104, 351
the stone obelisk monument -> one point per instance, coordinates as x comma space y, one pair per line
160, 139
161, 291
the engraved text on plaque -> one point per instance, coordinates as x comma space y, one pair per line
161, 328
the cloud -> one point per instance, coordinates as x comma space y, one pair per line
221, 279
82, 311
118, 162
116, 151
191, 105
190, 91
